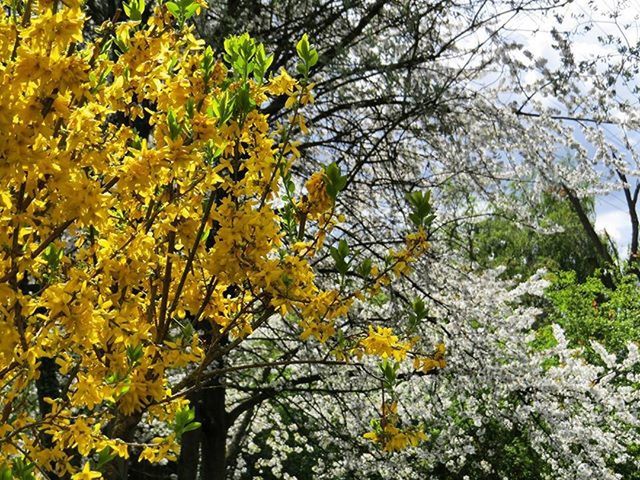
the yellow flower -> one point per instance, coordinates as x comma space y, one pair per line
282, 84
318, 201
86, 473
373, 436
436, 361
393, 439
383, 343
320, 330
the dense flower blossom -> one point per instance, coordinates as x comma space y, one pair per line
142, 228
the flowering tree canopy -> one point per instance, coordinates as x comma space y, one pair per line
149, 225
280, 255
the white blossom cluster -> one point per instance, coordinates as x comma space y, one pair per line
578, 419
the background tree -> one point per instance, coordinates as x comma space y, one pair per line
556, 242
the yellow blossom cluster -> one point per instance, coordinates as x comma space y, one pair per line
391, 437
382, 342
416, 244
138, 210
427, 364
141, 224
318, 201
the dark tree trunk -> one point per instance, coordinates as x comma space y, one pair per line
214, 432
632, 201
593, 237
123, 427
189, 459
47, 386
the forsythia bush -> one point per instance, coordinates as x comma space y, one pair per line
148, 223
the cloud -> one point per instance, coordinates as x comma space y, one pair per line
616, 224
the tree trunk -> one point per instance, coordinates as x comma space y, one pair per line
123, 427
47, 386
189, 459
593, 237
214, 432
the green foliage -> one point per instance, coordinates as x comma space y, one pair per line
175, 129
262, 63
307, 55
182, 10
134, 354
335, 181
184, 421
105, 456
222, 108
421, 211
499, 241
19, 470
389, 370
339, 255
246, 57
507, 451
591, 311
208, 62
379, 299
134, 9
364, 269
418, 313
52, 256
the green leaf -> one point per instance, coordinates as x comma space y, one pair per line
222, 108
192, 426
190, 11
262, 62
308, 55
121, 45
243, 99
313, 58
184, 421
302, 47
389, 370
421, 212
175, 129
364, 270
23, 470
5, 472
340, 255
302, 69
380, 299
343, 248
335, 182
418, 313
190, 108
134, 9
105, 456
53, 255
173, 63
419, 308
174, 9
124, 389
136, 142
134, 353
